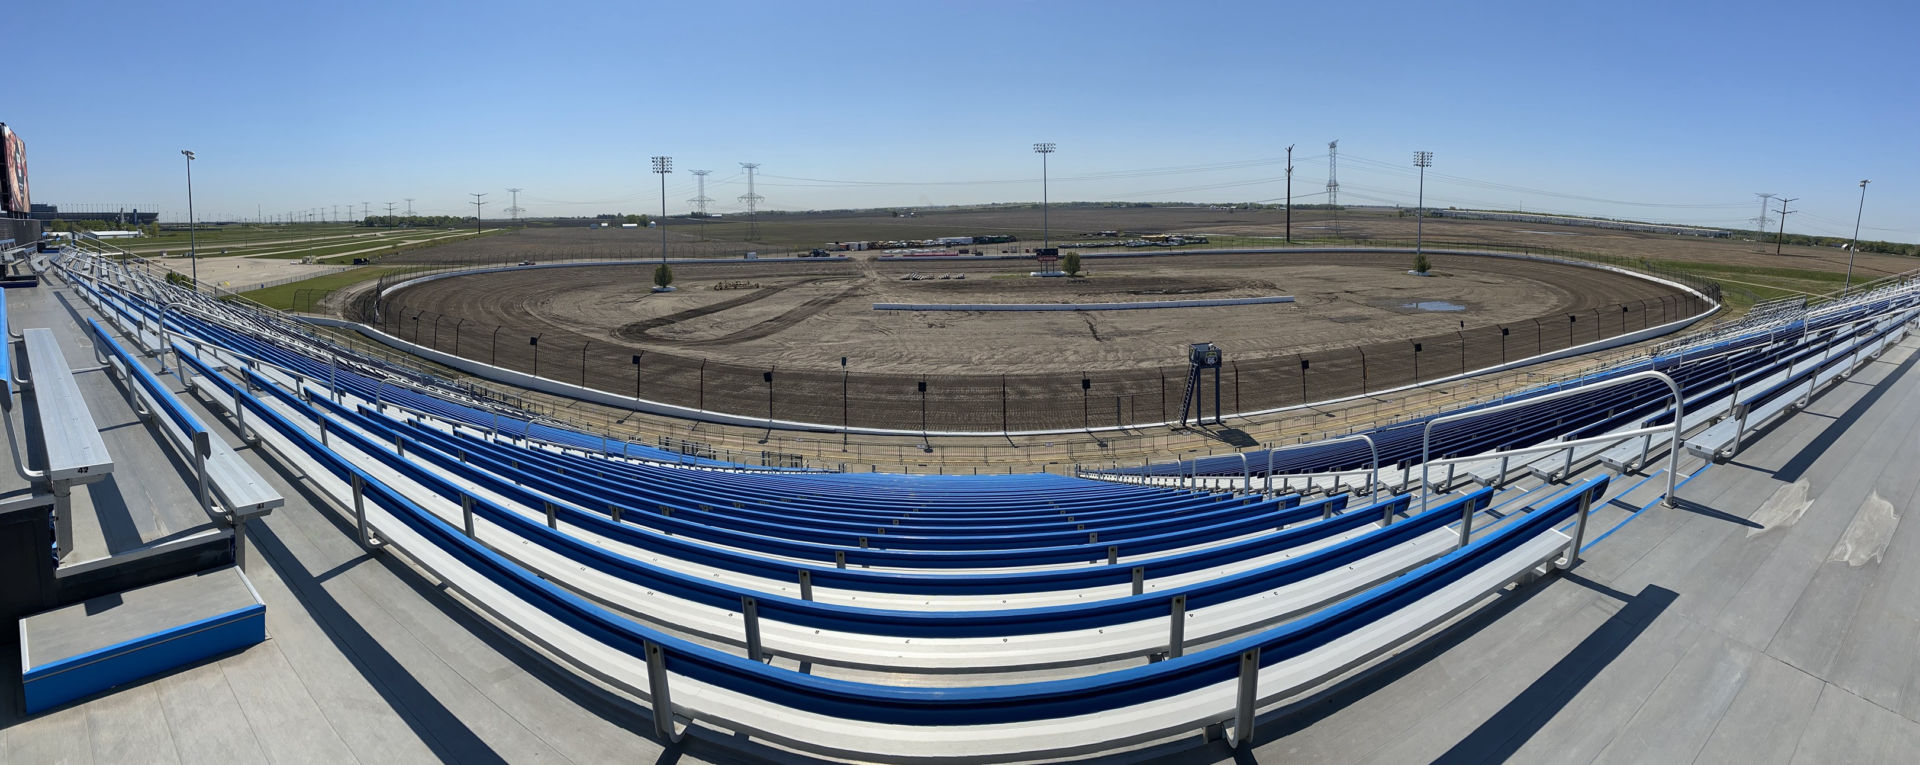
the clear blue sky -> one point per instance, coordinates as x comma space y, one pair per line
1685, 109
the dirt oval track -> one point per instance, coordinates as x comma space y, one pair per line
766, 339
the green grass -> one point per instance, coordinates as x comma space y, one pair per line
283, 296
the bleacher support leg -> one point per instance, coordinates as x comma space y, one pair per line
1177, 628
1579, 531
1466, 525
466, 513
62, 519
750, 615
657, 690
360, 512
240, 541
1248, 697
806, 584
1139, 579
202, 448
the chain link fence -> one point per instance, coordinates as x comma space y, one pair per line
988, 403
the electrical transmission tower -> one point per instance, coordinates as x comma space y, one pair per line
1333, 183
479, 200
515, 209
700, 201
753, 200
1760, 223
409, 207
1333, 173
365, 207
390, 209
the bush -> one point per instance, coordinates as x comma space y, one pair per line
1420, 263
1071, 264
177, 278
662, 275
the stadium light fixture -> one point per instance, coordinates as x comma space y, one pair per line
662, 166
193, 239
1046, 234
1422, 160
1854, 249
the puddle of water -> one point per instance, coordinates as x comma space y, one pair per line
1434, 305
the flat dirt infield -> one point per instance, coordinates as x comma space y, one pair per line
1358, 323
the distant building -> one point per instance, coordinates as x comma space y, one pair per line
123, 217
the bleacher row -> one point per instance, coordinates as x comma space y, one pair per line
927, 617
1730, 386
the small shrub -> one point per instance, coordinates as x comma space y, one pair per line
662, 275
1420, 263
1071, 264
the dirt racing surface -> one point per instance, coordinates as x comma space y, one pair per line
807, 316
766, 339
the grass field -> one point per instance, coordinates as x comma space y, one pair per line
305, 293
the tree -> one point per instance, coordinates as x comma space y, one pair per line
662, 275
1420, 264
1071, 264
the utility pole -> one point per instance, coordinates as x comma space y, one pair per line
1046, 233
1760, 223
478, 201
390, 209
1855, 247
1778, 240
752, 199
1289, 193
515, 209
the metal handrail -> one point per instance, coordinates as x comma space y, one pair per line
1373, 473
1673, 451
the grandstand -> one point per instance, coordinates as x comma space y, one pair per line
444, 575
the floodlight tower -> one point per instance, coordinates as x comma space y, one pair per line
1855, 247
515, 209
193, 241
1046, 234
1422, 160
751, 199
662, 166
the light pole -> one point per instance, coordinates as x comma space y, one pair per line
1422, 160
193, 241
1046, 235
662, 166
1855, 247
